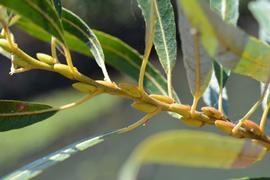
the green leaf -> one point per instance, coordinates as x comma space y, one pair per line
261, 11
42, 13
18, 114
147, 7
228, 45
193, 51
194, 149
75, 26
227, 9
37, 167
118, 54
165, 35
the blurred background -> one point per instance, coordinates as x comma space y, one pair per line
121, 18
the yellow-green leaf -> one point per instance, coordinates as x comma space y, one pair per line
194, 149
230, 46
261, 11
228, 10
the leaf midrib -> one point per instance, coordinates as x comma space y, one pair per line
163, 37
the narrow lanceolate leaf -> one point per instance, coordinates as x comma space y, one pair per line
251, 178
147, 7
261, 11
18, 114
78, 28
37, 167
227, 9
58, 6
197, 63
120, 55
42, 13
165, 36
228, 45
193, 149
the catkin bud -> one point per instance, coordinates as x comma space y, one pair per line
45, 58
144, 107
84, 88
192, 122
64, 70
253, 127
225, 126
131, 90
5, 45
165, 99
212, 112
202, 117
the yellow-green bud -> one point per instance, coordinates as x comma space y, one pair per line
131, 90
253, 127
225, 126
84, 88
45, 58
144, 107
165, 99
5, 45
63, 70
192, 122
212, 112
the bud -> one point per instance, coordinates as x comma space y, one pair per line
63, 70
225, 126
144, 107
45, 58
212, 112
165, 99
202, 117
252, 127
131, 90
181, 109
192, 122
84, 88
5, 45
